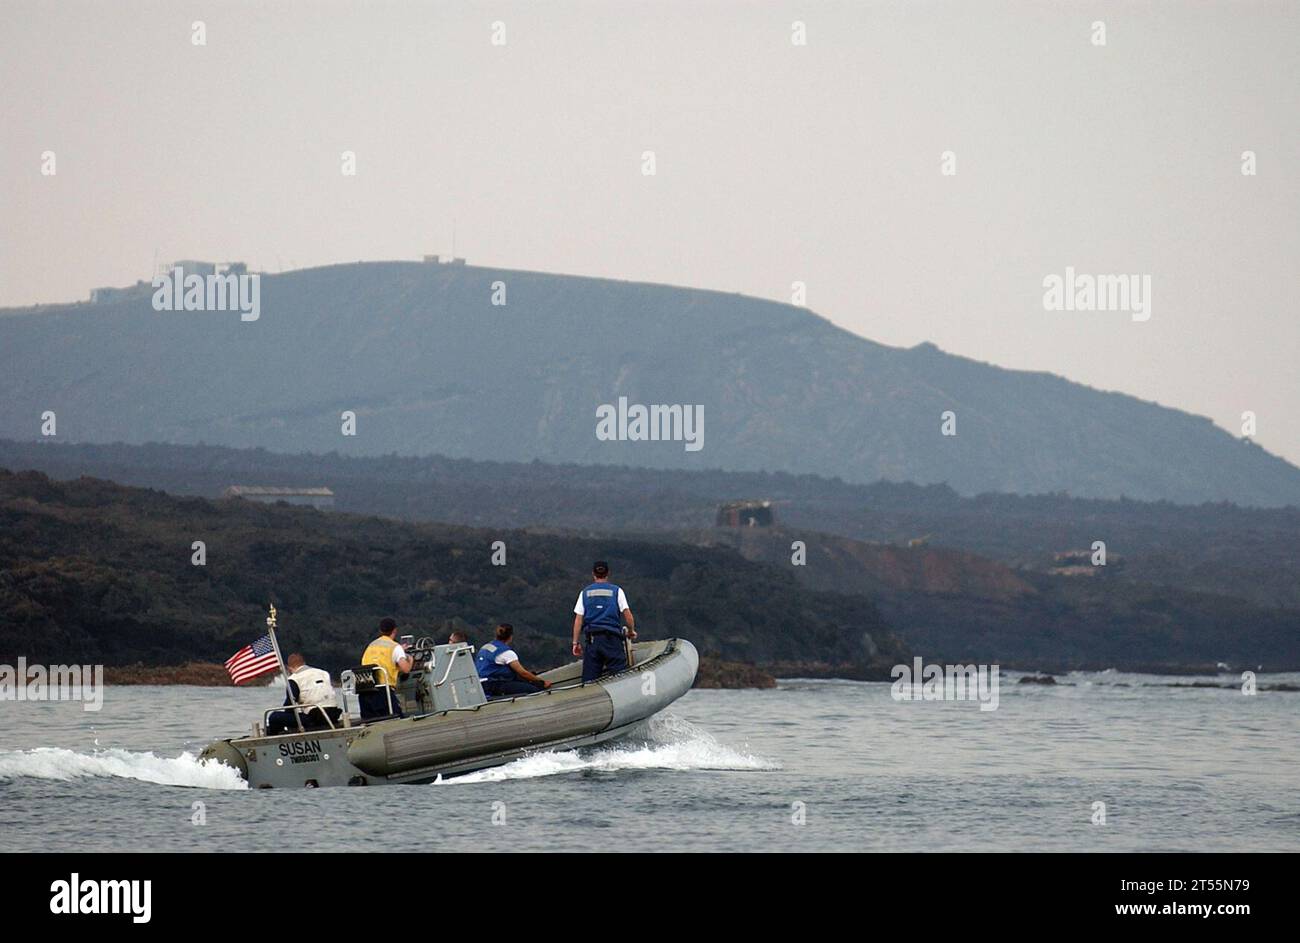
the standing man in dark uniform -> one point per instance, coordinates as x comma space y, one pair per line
599, 614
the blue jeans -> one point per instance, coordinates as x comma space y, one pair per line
603, 654
512, 688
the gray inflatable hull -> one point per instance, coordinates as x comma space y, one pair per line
569, 715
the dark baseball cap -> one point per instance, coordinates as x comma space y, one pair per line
600, 566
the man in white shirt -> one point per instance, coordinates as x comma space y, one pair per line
308, 688
386, 654
600, 614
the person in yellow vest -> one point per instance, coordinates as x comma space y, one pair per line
391, 658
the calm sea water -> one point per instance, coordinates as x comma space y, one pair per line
1178, 768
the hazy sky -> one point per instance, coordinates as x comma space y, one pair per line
775, 162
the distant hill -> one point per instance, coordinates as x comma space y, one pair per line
429, 365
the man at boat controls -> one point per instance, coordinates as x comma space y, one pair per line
599, 614
391, 658
500, 670
457, 638
311, 689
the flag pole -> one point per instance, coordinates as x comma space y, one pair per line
284, 672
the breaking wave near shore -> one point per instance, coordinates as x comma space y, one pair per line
669, 743
59, 764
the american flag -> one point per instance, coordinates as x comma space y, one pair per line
253, 660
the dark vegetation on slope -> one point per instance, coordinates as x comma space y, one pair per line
1187, 586
94, 572
1221, 549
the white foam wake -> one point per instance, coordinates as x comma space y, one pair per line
670, 744
55, 763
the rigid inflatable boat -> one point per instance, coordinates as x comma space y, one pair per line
451, 728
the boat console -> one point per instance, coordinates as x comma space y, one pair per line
442, 678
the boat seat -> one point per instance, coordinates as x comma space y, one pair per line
368, 682
314, 718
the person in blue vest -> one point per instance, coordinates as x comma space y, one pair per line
599, 615
499, 668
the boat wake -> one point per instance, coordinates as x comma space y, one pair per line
59, 764
669, 743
